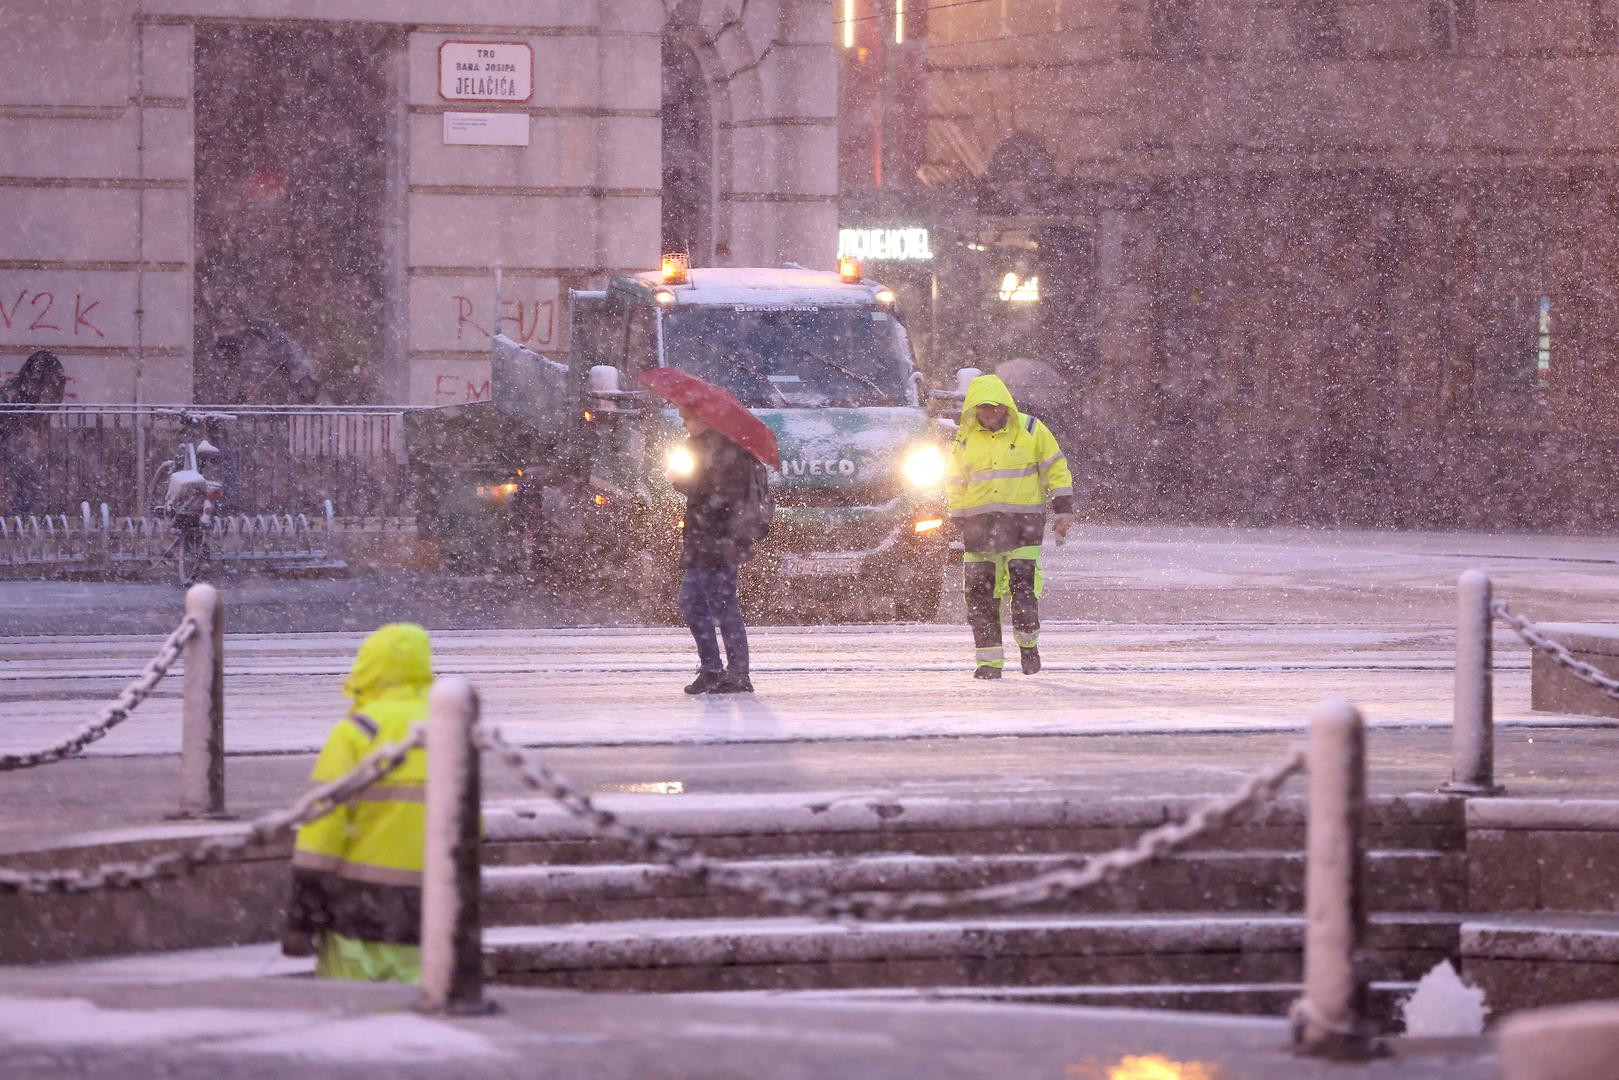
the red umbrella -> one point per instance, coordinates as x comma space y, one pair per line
717, 407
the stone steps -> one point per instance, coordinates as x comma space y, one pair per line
1536, 958
1213, 881
768, 826
1251, 999
1217, 926
686, 955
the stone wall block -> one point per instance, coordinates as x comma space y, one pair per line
168, 53
1502, 871
69, 224
167, 225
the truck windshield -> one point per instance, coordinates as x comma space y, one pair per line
801, 357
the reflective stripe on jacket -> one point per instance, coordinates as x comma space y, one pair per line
998, 481
357, 871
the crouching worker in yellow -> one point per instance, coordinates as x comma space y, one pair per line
1003, 467
357, 872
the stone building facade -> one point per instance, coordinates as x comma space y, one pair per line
178, 177
1317, 260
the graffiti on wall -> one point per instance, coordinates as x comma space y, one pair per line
31, 313
530, 322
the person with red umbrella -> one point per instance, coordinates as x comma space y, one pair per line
728, 510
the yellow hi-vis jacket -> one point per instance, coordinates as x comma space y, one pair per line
357, 871
997, 482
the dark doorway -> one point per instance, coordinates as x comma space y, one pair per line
291, 164
688, 154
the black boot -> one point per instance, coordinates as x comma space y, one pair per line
984, 671
733, 684
705, 682
1031, 659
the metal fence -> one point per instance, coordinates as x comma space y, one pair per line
273, 460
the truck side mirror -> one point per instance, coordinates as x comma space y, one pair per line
949, 402
606, 399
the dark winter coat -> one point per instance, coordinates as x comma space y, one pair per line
713, 491
40, 381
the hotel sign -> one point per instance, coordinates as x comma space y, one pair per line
884, 245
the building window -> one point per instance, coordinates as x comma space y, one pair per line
1543, 345
1513, 361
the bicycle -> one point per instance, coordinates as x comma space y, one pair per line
190, 499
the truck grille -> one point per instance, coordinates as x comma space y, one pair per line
870, 494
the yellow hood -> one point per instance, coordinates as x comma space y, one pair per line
396, 657
988, 390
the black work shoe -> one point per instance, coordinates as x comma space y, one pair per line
705, 682
1031, 660
733, 684
984, 671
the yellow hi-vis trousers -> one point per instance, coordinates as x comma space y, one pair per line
1001, 583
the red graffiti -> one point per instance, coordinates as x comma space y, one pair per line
39, 322
68, 393
447, 384
81, 314
528, 322
35, 309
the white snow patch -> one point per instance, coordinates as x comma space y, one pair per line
1443, 1005
698, 1030
260, 960
69, 1021
398, 1037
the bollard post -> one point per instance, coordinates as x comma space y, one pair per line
1472, 731
202, 711
1330, 1019
452, 934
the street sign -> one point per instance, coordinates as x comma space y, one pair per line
500, 71
486, 129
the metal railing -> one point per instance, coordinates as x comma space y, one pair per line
199, 642
273, 460
1473, 720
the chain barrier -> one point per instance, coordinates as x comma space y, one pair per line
1559, 653
1052, 885
315, 803
116, 712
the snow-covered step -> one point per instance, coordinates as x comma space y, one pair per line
1253, 998
1538, 958
754, 954
739, 826
1207, 881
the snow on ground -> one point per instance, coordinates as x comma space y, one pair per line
1262, 669
618, 687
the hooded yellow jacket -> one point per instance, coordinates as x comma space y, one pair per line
357, 871
998, 481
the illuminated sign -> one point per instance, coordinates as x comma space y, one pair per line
1016, 290
884, 245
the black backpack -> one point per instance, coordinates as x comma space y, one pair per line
751, 520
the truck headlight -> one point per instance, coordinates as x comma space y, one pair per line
679, 462
924, 467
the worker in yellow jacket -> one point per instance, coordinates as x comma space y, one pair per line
1003, 468
357, 872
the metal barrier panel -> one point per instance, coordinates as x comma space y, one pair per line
272, 460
